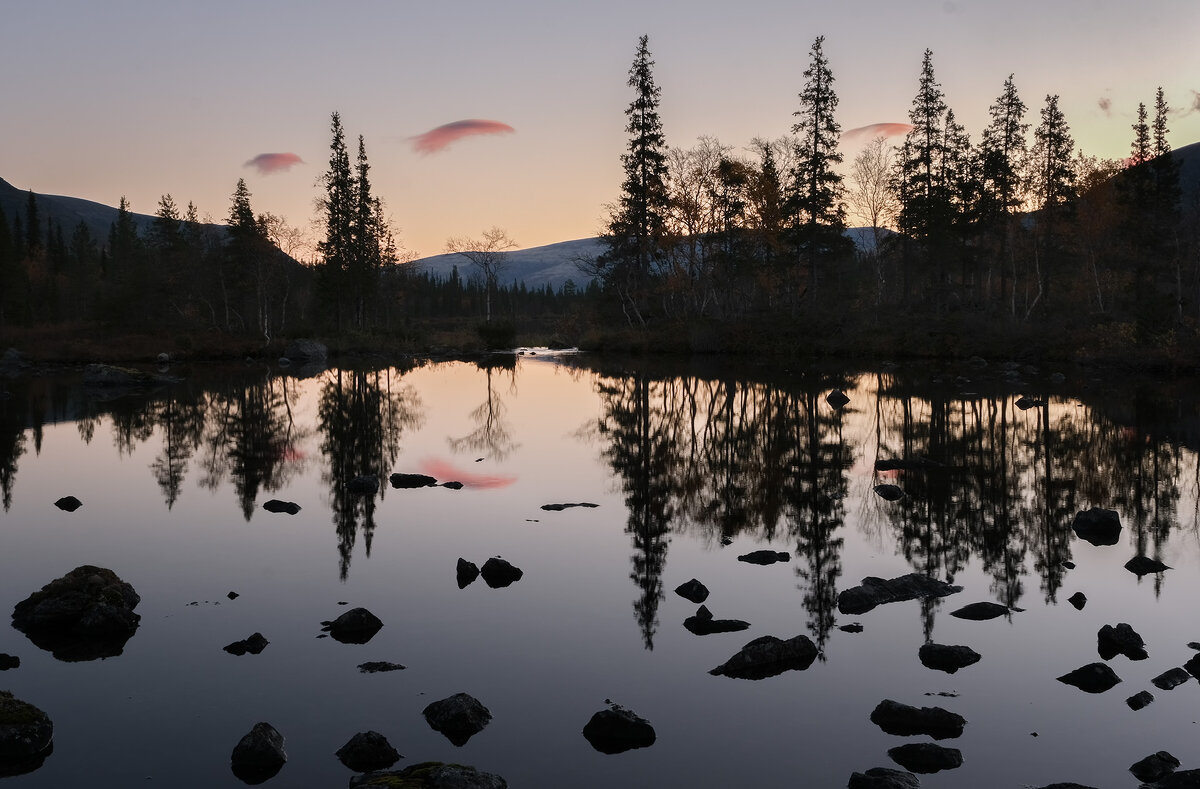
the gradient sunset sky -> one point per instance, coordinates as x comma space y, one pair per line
104, 99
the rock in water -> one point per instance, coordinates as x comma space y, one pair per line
466, 573
1154, 767
255, 644
356, 626
905, 721
402, 481
889, 492
877, 591
769, 656
978, 612
692, 591
1170, 679
277, 506
68, 504
9, 661
926, 757
1092, 678
946, 657
305, 351
764, 557
1120, 640
259, 755
26, 736
499, 573
617, 729
430, 775
377, 666
1144, 565
837, 399
366, 751
703, 624
459, 717
883, 778
1078, 600
1098, 526
365, 485
84, 615
1139, 700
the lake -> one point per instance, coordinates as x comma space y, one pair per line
690, 465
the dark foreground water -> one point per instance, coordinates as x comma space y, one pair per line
690, 468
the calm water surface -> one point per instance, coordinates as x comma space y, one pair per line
690, 468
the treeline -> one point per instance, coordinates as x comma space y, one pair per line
1012, 230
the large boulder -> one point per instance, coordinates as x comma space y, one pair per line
1092, 678
259, 755
499, 573
883, 778
459, 717
702, 623
26, 736
906, 721
1098, 526
769, 656
356, 626
877, 591
84, 615
692, 591
366, 751
764, 557
1184, 779
1154, 767
430, 775
617, 729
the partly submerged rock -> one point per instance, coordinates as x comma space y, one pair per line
465, 572
108, 376
947, 657
877, 591
366, 751
401, 481
1154, 767
277, 506
84, 615
979, 612
1183, 779
68, 504
1092, 678
1171, 678
259, 755
378, 666
926, 757
1141, 699
692, 591
255, 644
702, 623
8, 661
26, 736
499, 573
1067, 785
617, 729
1097, 526
429, 775
904, 720
769, 656
364, 485
1078, 600
356, 626
765, 557
561, 507
306, 351
889, 492
837, 399
883, 778
459, 717
1144, 565
1120, 640
1192, 666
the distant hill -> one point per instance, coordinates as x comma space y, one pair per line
66, 211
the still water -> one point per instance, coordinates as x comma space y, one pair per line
690, 467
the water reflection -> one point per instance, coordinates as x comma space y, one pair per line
985, 479
362, 416
493, 433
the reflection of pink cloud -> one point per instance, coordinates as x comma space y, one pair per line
877, 130
436, 139
445, 472
267, 163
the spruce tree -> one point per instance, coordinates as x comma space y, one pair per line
637, 226
362, 265
33, 225
337, 208
1002, 153
816, 199
1053, 189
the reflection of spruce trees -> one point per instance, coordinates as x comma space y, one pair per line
180, 421
639, 451
361, 422
492, 433
12, 442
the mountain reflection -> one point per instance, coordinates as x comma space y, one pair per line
985, 481
362, 416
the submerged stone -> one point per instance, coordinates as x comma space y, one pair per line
377, 666
429, 775
1098, 526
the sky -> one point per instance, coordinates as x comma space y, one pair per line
140, 98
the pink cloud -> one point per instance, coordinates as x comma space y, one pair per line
267, 163
446, 472
436, 139
877, 130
